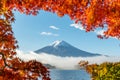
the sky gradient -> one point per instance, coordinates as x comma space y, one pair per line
35, 32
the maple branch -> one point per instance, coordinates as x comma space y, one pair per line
4, 59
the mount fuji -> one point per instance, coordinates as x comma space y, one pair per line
64, 49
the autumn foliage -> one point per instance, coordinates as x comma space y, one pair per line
17, 69
11, 67
91, 14
104, 71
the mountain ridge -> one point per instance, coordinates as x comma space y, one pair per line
63, 49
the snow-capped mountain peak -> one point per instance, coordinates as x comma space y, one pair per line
56, 43
62, 48
59, 43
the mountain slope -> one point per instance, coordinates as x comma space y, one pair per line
62, 48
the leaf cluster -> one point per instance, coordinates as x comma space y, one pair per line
92, 14
11, 67
104, 71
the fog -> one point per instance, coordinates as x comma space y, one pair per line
64, 62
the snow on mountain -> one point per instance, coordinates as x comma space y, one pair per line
59, 43
63, 49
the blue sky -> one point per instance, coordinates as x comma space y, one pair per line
35, 32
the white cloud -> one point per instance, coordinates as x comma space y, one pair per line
64, 62
78, 26
48, 34
54, 27
45, 33
100, 32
